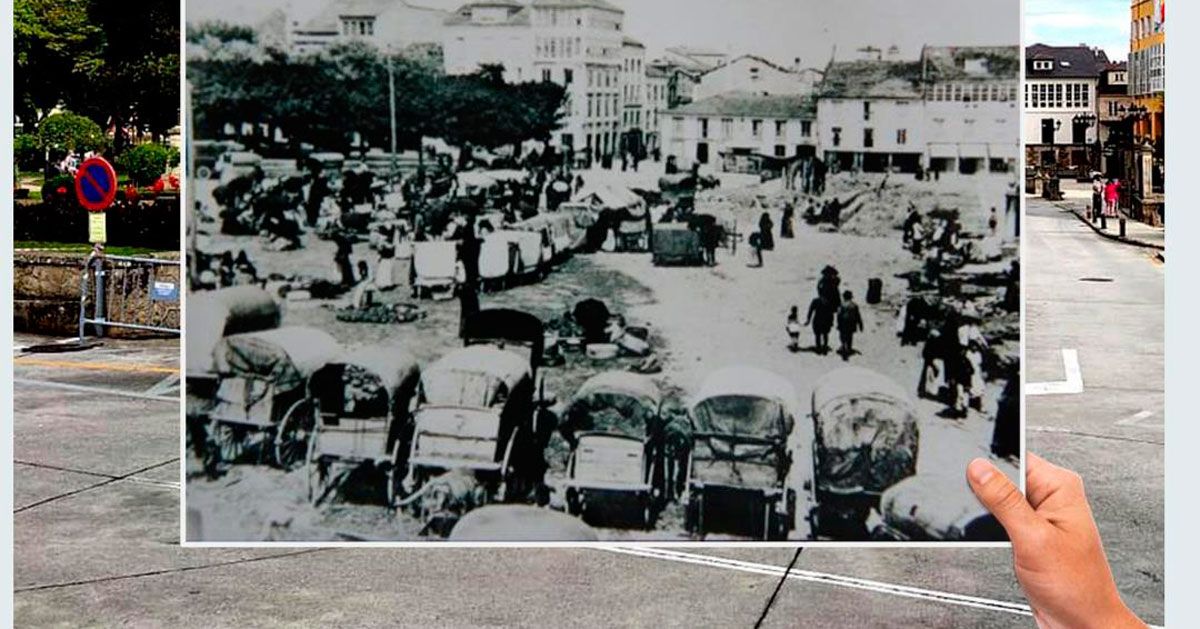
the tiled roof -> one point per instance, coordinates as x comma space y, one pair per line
752, 57
948, 63
462, 17
329, 19
578, 4
749, 105
1070, 62
871, 79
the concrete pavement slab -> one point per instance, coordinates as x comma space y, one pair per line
34, 484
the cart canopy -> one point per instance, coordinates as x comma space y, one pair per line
505, 326
610, 198
866, 431
366, 382
745, 402
212, 315
479, 376
285, 356
620, 402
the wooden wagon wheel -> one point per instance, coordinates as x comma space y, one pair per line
395, 476
293, 434
316, 471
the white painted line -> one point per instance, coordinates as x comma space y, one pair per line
854, 583
1139, 419
164, 386
165, 484
85, 389
879, 587
1072, 385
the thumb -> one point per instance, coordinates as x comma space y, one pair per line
1001, 497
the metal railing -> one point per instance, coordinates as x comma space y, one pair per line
130, 293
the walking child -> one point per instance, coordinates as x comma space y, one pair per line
849, 321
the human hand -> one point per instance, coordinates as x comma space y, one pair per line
1057, 553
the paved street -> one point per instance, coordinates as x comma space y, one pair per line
96, 527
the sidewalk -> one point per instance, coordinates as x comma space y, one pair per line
1078, 197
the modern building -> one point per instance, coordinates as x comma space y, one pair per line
633, 96
749, 73
1144, 163
490, 32
972, 113
1060, 123
741, 131
1147, 65
387, 24
870, 115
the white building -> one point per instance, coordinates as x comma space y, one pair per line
491, 32
387, 24
739, 131
871, 116
755, 75
972, 113
578, 44
657, 87
1060, 92
633, 94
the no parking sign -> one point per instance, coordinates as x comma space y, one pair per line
96, 188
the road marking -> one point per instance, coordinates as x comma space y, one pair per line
1138, 419
72, 364
164, 386
1073, 384
855, 583
85, 389
828, 579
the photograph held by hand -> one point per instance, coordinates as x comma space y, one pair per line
1057, 553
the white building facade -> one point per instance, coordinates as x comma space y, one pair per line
394, 25
492, 32
972, 113
871, 116
740, 132
633, 95
1060, 97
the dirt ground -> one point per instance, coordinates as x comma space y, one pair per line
700, 319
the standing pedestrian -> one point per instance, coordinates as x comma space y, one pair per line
1097, 197
931, 373
993, 223
1111, 195
766, 233
849, 321
787, 223
756, 246
793, 328
820, 316
341, 257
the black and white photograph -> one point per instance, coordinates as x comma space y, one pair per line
599, 271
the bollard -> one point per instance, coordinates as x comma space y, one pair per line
1103, 221
1122, 219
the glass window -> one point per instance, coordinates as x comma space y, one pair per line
756, 128
806, 128
868, 138
727, 127
902, 136
780, 128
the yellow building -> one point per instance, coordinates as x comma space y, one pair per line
1147, 66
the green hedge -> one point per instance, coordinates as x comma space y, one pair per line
27, 152
144, 163
66, 131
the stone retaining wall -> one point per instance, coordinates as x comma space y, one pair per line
46, 291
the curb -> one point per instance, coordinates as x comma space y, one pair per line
1114, 237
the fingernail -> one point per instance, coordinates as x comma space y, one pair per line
980, 470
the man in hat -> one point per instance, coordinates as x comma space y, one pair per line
677, 443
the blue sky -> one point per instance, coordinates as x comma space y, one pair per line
1103, 23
